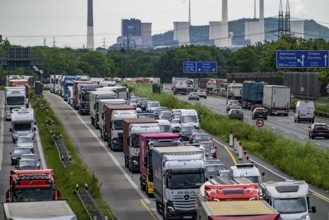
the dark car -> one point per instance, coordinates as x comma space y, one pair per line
186, 132
139, 102
198, 137
157, 111
143, 105
145, 115
235, 114
213, 168
318, 130
259, 113
209, 149
17, 153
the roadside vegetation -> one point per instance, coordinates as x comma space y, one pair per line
302, 161
76, 172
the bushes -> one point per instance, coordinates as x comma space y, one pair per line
302, 161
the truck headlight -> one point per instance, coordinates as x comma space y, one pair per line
305, 217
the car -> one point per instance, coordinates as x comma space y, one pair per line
193, 95
233, 104
213, 168
31, 156
27, 164
17, 153
158, 110
186, 131
133, 102
209, 149
318, 130
152, 105
139, 102
202, 93
145, 115
165, 125
197, 137
165, 115
175, 125
259, 113
235, 114
25, 141
143, 105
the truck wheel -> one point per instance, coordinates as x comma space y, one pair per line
158, 207
142, 186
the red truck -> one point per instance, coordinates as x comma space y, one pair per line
32, 185
146, 143
76, 93
132, 127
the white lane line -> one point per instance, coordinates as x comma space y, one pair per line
301, 137
2, 132
271, 171
111, 155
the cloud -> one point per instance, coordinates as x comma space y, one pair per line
297, 9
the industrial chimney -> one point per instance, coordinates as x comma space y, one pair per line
90, 26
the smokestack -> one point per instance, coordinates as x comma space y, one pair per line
261, 20
189, 12
90, 26
224, 30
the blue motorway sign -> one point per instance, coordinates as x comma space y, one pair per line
200, 67
302, 58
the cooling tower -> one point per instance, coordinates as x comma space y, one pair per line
90, 26
182, 33
147, 34
297, 28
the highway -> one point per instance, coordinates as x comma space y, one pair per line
120, 188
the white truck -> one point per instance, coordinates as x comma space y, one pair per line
100, 114
276, 99
93, 97
290, 198
189, 117
113, 119
182, 85
178, 173
43, 210
121, 91
247, 170
15, 98
132, 127
22, 123
234, 91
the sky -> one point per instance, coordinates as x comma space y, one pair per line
64, 22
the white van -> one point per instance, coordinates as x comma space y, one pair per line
305, 111
189, 117
165, 125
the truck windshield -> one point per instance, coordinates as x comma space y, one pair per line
22, 127
134, 140
185, 180
254, 179
85, 97
118, 125
33, 194
290, 206
165, 128
18, 100
187, 119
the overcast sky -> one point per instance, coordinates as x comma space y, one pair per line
29, 22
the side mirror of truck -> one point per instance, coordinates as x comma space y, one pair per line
145, 161
313, 209
11, 130
94, 106
35, 128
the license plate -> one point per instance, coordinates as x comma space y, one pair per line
187, 217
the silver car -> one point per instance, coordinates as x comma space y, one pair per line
25, 141
27, 164
31, 157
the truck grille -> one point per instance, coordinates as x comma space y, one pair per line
120, 136
184, 202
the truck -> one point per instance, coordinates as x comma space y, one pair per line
15, 98
290, 198
234, 91
276, 99
113, 119
83, 98
252, 94
76, 91
39, 210
178, 173
21, 83
233, 210
146, 143
132, 127
182, 85
93, 97
68, 81
100, 121
22, 123
121, 91
247, 170
32, 185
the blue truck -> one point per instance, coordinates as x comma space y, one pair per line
68, 81
252, 94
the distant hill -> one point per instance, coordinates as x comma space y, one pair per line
200, 34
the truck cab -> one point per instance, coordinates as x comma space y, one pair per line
290, 198
83, 97
247, 170
22, 123
15, 98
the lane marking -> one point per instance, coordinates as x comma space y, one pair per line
110, 155
2, 131
231, 155
148, 209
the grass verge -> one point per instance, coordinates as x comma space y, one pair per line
76, 172
302, 161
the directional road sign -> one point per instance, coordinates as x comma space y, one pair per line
200, 67
302, 58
